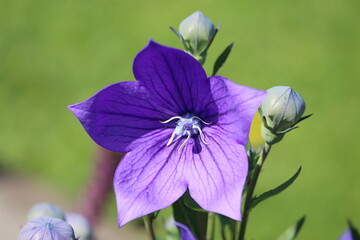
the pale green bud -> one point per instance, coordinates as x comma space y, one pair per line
81, 226
282, 108
197, 30
45, 209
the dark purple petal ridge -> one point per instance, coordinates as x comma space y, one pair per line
173, 77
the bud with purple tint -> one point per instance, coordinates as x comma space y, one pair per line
41, 228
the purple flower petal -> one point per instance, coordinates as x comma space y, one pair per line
217, 172
185, 232
236, 106
173, 77
346, 235
149, 177
119, 114
154, 176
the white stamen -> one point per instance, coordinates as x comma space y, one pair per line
206, 123
186, 140
170, 119
188, 125
201, 135
171, 138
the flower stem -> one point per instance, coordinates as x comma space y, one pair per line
210, 226
251, 189
148, 221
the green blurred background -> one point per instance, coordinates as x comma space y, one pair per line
56, 53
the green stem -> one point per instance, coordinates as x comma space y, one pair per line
210, 226
251, 189
148, 221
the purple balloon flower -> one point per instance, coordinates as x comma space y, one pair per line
181, 130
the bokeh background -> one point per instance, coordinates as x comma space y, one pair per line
56, 53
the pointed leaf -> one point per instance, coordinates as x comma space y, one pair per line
186, 45
303, 118
222, 58
276, 190
293, 230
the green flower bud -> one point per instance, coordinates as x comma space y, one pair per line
281, 110
81, 226
197, 30
45, 209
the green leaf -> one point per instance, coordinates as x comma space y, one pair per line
222, 58
227, 227
293, 230
196, 221
276, 190
190, 203
354, 232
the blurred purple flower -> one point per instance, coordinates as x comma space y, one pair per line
42, 228
181, 130
185, 232
346, 235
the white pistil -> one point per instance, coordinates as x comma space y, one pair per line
186, 140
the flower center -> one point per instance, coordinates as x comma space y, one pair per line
186, 125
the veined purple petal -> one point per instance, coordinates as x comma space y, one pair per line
173, 77
185, 232
149, 178
154, 176
119, 114
236, 106
217, 172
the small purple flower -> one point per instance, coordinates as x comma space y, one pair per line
185, 232
181, 130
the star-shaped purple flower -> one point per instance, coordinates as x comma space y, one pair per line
180, 129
